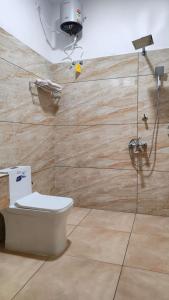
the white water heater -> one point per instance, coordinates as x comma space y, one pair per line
71, 17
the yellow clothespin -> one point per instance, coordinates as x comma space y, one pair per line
78, 68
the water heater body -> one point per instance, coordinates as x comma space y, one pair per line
71, 17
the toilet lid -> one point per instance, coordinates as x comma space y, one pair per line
38, 201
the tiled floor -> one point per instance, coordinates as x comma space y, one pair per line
112, 256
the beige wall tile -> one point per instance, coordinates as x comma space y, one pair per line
108, 219
15, 98
112, 101
94, 146
153, 193
43, 182
98, 188
72, 278
98, 68
147, 251
7, 146
18, 53
138, 285
34, 146
160, 153
147, 100
153, 59
15, 271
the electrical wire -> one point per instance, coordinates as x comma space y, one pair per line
70, 49
43, 24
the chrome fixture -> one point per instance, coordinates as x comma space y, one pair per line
137, 146
143, 42
159, 73
145, 118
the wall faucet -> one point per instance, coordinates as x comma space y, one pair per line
137, 146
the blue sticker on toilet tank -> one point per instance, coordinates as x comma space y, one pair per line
19, 178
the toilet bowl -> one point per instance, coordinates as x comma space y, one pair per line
34, 223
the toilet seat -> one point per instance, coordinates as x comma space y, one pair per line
41, 202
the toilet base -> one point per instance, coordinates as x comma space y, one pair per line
34, 232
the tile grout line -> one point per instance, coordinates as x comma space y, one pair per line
78, 125
107, 78
75, 226
97, 168
14, 297
22, 68
92, 260
124, 258
146, 270
136, 192
84, 217
137, 172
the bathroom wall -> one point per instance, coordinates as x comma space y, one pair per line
99, 113
26, 130
81, 150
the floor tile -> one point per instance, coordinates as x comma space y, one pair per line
147, 251
69, 229
138, 285
110, 220
99, 244
153, 191
15, 270
70, 278
151, 225
76, 215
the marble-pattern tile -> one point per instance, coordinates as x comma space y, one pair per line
153, 193
112, 101
76, 215
16, 103
98, 188
99, 244
35, 146
147, 100
14, 51
110, 220
151, 225
153, 59
101, 146
139, 284
4, 191
160, 154
148, 251
7, 146
97, 68
15, 272
44, 182
72, 278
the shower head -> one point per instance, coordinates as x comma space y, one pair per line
143, 42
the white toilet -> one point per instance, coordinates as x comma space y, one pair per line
34, 223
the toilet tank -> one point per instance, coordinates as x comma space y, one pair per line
20, 183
